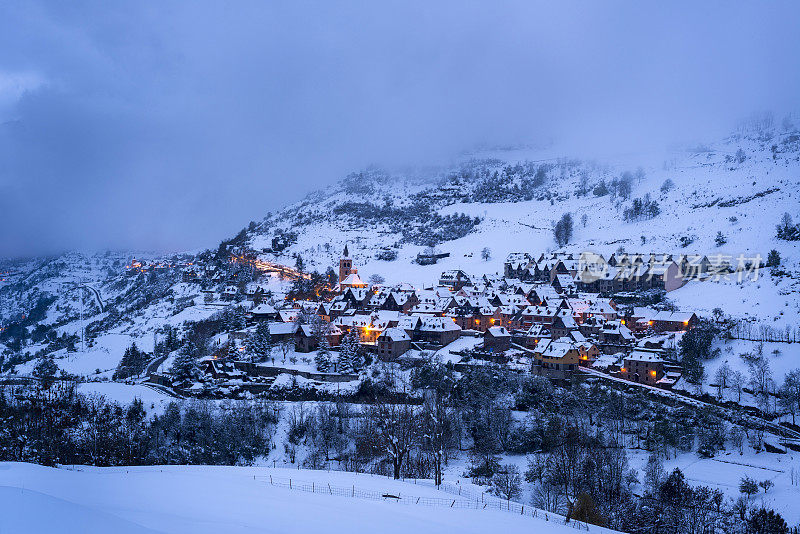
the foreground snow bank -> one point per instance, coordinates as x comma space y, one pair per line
202, 499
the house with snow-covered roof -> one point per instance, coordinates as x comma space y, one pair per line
392, 343
556, 359
437, 330
642, 367
454, 279
497, 339
666, 321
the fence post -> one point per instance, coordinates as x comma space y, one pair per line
270, 480
290, 483
354, 491
453, 503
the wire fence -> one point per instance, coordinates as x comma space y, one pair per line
465, 499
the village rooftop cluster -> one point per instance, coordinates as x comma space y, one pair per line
542, 315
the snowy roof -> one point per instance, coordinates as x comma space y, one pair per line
640, 356
309, 330
537, 330
288, 316
677, 317
353, 280
263, 309
282, 328
498, 331
428, 323
604, 361
395, 334
555, 349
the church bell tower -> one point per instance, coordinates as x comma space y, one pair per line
345, 265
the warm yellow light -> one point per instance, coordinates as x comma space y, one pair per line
652, 373
623, 370
622, 321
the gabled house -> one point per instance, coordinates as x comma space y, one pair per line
436, 330
455, 279
642, 367
392, 343
262, 312
497, 339
665, 321
308, 336
556, 359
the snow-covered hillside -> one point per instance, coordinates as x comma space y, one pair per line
739, 186
504, 201
203, 499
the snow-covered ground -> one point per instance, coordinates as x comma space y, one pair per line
725, 471
234, 500
154, 401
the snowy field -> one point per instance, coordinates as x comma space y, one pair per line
202, 499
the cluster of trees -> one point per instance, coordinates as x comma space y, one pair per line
259, 343
59, 426
670, 504
575, 437
641, 209
787, 230
513, 183
349, 358
562, 231
694, 347
436, 228
132, 363
621, 186
419, 224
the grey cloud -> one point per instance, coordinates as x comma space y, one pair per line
170, 125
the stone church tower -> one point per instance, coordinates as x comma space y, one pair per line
345, 265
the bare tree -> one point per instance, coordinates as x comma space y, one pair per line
508, 482
737, 383
396, 431
286, 347
723, 377
437, 432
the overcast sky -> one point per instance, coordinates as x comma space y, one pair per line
168, 126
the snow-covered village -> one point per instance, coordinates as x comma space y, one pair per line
280, 268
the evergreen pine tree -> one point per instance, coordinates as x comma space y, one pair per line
45, 370
349, 354
185, 368
323, 357
259, 344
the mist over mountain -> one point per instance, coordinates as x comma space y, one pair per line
164, 129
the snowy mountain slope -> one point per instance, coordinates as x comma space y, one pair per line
739, 186
506, 201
